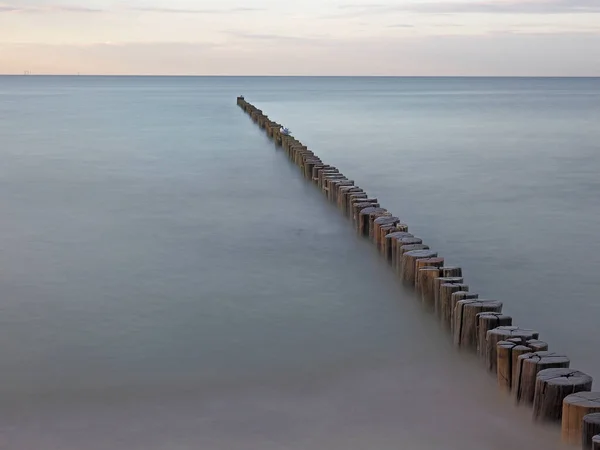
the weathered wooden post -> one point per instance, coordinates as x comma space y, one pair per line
528, 366
390, 244
330, 182
384, 230
446, 291
454, 299
397, 254
427, 276
319, 171
309, 164
487, 321
502, 334
552, 387
326, 178
505, 369
428, 262
402, 227
409, 264
466, 320
343, 194
536, 345
336, 185
451, 272
374, 216
436, 290
520, 348
358, 205
381, 222
576, 407
350, 197
590, 433
365, 218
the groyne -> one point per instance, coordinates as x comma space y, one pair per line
525, 367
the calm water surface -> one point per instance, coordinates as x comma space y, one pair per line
169, 281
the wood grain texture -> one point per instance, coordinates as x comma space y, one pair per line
528, 366
427, 275
552, 387
576, 407
409, 264
498, 334
465, 320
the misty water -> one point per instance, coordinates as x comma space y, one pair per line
170, 281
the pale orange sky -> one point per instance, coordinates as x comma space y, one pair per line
302, 37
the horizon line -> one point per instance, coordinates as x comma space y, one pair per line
286, 76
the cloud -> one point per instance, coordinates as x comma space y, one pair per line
401, 25
19, 7
500, 54
152, 9
38, 9
485, 6
277, 37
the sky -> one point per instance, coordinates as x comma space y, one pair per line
301, 37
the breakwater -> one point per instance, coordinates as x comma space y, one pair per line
524, 365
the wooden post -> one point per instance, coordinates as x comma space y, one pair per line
343, 195
356, 199
552, 387
409, 248
575, 409
451, 272
322, 172
436, 290
487, 321
454, 299
372, 218
446, 291
426, 278
317, 168
381, 222
327, 178
390, 244
397, 254
502, 334
402, 227
335, 187
517, 352
360, 204
384, 230
409, 264
536, 345
309, 164
466, 320
357, 207
504, 352
365, 218
590, 432
428, 262
351, 197
528, 366
326, 185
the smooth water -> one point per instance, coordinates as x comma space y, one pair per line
169, 281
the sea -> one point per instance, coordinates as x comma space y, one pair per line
169, 280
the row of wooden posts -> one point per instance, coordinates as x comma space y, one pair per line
524, 366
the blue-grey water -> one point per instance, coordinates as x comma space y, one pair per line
168, 280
